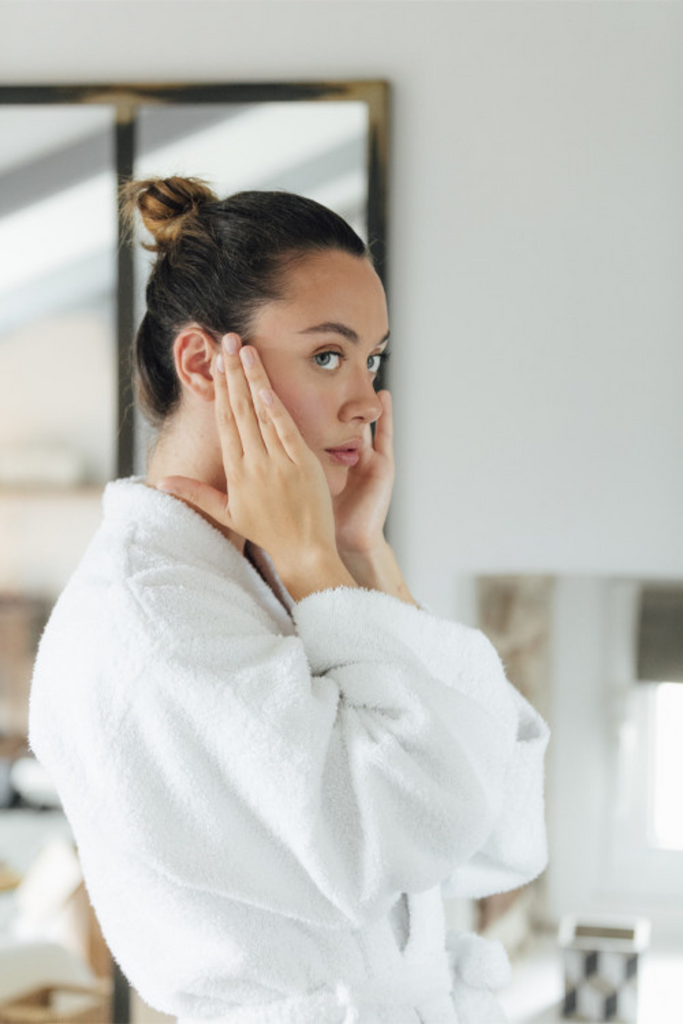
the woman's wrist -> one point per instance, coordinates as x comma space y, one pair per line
319, 571
378, 569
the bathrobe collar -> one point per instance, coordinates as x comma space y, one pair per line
176, 527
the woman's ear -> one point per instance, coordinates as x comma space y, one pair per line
193, 352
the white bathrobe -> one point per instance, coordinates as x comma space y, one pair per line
270, 798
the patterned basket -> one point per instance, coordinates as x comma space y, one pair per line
601, 966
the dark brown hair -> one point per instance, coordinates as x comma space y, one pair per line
218, 262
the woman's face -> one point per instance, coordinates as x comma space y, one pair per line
321, 349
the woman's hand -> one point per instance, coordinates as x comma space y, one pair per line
277, 494
360, 510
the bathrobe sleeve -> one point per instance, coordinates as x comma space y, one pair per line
377, 750
510, 769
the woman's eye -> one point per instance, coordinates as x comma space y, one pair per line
324, 359
332, 360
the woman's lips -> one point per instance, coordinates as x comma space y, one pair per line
345, 456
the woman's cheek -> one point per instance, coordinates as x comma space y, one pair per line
310, 419
298, 409
309, 406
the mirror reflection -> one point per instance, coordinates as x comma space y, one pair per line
57, 294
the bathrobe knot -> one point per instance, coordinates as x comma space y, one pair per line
481, 963
346, 1002
415, 985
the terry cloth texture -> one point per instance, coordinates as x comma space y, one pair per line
270, 798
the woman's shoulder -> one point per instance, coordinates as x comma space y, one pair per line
156, 529
153, 589
157, 562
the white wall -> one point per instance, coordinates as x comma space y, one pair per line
536, 250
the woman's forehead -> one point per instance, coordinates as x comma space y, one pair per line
336, 288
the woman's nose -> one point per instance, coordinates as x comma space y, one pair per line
361, 401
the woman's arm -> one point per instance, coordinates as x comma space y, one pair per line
316, 775
378, 569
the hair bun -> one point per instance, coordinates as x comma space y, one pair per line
164, 205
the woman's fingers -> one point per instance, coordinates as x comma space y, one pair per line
228, 432
278, 429
240, 398
384, 430
285, 429
252, 418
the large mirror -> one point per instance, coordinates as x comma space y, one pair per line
70, 300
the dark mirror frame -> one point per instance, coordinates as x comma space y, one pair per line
127, 98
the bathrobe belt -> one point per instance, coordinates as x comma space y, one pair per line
415, 983
470, 960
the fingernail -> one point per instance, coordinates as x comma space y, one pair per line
231, 343
247, 356
219, 362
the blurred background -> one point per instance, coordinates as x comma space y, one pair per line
533, 266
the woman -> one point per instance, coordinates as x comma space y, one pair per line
275, 763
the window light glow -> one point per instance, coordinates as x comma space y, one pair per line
667, 802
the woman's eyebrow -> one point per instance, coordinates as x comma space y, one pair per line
337, 328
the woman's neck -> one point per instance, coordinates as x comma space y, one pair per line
190, 450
